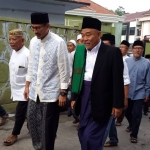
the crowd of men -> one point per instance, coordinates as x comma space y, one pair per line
105, 84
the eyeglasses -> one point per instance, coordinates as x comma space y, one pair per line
37, 28
138, 48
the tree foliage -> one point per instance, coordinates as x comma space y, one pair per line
119, 11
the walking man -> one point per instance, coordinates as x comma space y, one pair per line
18, 69
46, 83
124, 46
109, 39
139, 88
97, 85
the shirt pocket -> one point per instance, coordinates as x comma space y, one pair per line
21, 76
20, 80
22, 71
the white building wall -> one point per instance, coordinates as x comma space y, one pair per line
123, 37
131, 38
145, 29
133, 24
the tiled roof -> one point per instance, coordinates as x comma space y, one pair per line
96, 7
146, 13
133, 16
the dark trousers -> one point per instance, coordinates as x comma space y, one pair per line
2, 111
43, 121
134, 115
20, 116
91, 133
113, 133
120, 118
145, 109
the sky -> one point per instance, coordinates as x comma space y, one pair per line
130, 6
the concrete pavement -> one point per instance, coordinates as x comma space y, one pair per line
67, 136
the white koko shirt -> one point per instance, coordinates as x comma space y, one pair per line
125, 57
90, 62
126, 71
126, 77
71, 59
48, 69
18, 69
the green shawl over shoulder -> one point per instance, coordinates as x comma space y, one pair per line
78, 68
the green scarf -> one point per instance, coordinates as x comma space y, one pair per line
78, 69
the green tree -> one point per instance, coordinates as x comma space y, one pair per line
120, 11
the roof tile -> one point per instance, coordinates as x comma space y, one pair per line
133, 16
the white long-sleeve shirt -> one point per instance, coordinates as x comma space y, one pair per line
126, 77
48, 69
90, 62
71, 59
18, 69
125, 57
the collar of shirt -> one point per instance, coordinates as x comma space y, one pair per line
46, 38
90, 62
95, 49
136, 59
17, 52
125, 57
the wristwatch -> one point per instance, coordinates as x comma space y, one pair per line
63, 93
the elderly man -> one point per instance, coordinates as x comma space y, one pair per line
46, 83
18, 69
97, 85
139, 89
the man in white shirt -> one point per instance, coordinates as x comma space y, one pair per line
79, 39
71, 50
18, 69
109, 39
46, 82
124, 46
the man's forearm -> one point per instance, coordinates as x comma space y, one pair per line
126, 91
27, 84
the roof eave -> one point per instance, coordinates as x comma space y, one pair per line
75, 2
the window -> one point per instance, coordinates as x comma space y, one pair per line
124, 30
138, 32
132, 31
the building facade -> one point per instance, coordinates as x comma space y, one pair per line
111, 23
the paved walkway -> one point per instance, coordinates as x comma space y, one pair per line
67, 136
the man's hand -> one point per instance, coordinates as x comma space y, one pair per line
116, 112
125, 103
146, 99
26, 94
62, 100
72, 104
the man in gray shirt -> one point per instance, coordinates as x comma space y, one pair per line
139, 88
